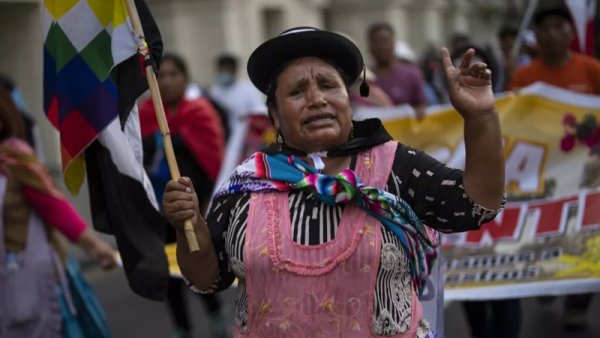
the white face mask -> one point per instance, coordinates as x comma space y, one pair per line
224, 79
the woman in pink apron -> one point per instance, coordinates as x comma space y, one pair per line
325, 228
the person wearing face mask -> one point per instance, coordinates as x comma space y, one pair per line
239, 97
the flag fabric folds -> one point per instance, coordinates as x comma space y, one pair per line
92, 77
584, 22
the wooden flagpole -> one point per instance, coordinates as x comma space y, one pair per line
144, 51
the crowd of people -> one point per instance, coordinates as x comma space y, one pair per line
396, 77
275, 222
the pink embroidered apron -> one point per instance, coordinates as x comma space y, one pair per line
322, 290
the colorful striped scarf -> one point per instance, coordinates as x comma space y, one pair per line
279, 172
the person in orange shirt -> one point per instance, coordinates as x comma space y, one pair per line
556, 64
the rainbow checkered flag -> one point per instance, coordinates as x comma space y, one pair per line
92, 77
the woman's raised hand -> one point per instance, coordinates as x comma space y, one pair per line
469, 85
180, 203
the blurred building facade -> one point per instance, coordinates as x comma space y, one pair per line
202, 29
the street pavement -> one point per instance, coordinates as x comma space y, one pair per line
131, 316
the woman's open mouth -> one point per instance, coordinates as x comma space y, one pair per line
320, 120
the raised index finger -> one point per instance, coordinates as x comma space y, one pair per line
465, 61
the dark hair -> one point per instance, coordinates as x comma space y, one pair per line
6, 82
559, 10
507, 31
227, 61
177, 60
12, 120
459, 37
379, 26
271, 99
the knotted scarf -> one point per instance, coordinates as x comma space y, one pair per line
279, 172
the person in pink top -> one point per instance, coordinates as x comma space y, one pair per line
324, 229
33, 208
401, 81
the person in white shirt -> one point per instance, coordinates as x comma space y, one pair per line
239, 97
241, 100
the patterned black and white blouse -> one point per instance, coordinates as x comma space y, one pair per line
433, 190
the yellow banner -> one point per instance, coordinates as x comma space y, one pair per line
547, 240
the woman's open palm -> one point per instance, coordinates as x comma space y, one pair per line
469, 85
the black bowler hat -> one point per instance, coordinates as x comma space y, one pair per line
300, 42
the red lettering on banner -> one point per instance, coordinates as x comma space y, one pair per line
504, 226
591, 212
551, 216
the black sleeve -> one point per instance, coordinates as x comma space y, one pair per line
218, 221
435, 192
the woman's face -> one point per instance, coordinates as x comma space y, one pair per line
172, 82
313, 110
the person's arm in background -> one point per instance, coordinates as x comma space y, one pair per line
419, 99
40, 192
60, 214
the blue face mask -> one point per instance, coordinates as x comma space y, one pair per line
224, 79
18, 100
